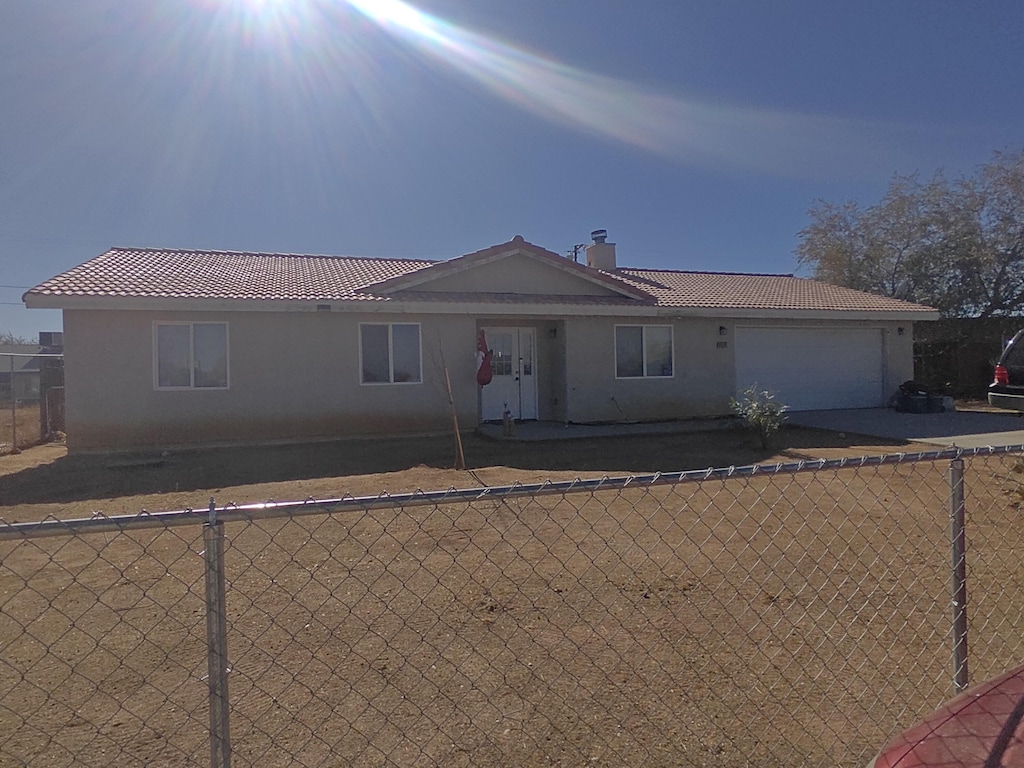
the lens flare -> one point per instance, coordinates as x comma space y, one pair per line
690, 130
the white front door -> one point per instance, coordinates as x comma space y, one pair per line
513, 385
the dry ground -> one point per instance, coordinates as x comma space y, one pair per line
44, 480
769, 622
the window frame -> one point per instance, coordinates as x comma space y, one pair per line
191, 386
643, 351
391, 355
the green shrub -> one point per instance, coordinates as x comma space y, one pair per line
760, 410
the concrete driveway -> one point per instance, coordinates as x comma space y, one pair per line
964, 429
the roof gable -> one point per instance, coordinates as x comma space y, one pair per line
516, 267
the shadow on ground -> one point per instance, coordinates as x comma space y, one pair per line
79, 478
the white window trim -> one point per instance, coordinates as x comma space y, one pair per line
391, 356
191, 354
643, 350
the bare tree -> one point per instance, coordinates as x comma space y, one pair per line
957, 246
6, 337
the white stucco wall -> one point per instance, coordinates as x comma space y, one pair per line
292, 376
700, 385
704, 377
295, 376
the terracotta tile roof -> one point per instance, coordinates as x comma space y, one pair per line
234, 275
162, 273
725, 290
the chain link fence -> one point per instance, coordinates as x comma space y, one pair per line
31, 398
771, 616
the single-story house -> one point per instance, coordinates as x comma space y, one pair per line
166, 347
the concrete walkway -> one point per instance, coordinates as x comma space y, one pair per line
964, 429
533, 431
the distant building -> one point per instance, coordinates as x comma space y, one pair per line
21, 364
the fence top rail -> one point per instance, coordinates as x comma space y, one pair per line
31, 354
231, 512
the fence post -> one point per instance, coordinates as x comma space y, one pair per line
217, 641
958, 543
14, 413
51, 382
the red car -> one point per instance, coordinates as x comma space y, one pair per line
980, 728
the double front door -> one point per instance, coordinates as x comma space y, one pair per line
513, 385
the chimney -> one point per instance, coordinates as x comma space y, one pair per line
601, 254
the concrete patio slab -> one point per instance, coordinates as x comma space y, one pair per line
532, 431
964, 429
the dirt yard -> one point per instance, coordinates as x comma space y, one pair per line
44, 480
724, 624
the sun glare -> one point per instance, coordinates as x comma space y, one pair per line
691, 130
325, 41
265, 8
264, 18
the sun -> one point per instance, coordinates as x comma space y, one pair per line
267, 8
260, 17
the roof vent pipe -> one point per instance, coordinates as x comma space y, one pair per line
601, 254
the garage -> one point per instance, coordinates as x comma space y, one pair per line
813, 368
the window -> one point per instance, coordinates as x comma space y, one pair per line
390, 353
191, 355
643, 351
501, 353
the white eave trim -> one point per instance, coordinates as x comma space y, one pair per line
346, 306
799, 314
399, 307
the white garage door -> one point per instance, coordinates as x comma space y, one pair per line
813, 368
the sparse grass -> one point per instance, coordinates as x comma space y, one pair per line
25, 423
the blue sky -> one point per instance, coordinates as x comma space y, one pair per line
697, 133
